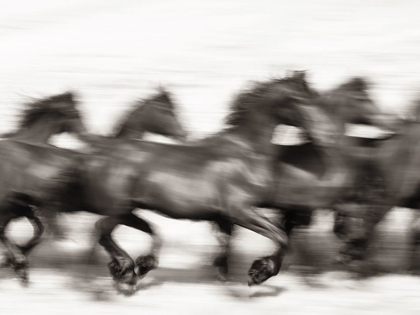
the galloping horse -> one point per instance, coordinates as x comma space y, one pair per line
30, 169
391, 179
155, 114
320, 172
309, 176
216, 179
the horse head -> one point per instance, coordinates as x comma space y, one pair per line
156, 114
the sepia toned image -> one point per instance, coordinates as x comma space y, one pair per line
210, 157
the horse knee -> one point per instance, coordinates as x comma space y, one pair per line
282, 238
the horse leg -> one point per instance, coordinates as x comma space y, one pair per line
53, 226
146, 263
266, 267
15, 257
414, 241
223, 235
38, 231
122, 266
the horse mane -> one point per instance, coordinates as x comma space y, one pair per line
127, 120
357, 84
330, 99
39, 107
252, 95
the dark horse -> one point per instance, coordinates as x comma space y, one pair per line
30, 170
319, 173
156, 114
217, 179
390, 178
310, 176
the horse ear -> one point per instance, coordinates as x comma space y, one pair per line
299, 75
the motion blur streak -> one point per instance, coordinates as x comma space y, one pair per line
111, 53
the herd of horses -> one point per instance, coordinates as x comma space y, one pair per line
223, 179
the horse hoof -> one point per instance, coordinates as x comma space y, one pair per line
261, 270
115, 269
221, 276
24, 281
145, 264
23, 276
221, 264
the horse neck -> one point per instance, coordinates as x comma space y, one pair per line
40, 132
133, 127
257, 131
333, 156
130, 133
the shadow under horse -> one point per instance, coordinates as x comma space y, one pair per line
30, 169
216, 179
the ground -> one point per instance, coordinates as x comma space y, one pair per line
63, 281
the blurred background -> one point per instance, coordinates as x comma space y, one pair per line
114, 52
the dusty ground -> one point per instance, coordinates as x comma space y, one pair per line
62, 281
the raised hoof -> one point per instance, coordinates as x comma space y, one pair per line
144, 264
261, 270
115, 269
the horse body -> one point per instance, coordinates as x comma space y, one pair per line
308, 176
391, 178
31, 169
161, 177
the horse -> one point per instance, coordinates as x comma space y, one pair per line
320, 172
391, 178
30, 168
216, 179
155, 114
309, 176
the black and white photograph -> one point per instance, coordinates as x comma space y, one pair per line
210, 157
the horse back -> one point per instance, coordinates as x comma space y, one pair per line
175, 180
32, 170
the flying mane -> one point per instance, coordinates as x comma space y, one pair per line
251, 96
131, 117
39, 108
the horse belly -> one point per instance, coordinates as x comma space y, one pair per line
179, 197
